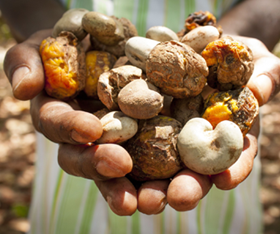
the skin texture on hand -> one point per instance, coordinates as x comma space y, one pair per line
26, 77
265, 80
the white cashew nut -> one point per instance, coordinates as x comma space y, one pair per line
209, 151
117, 128
161, 33
199, 37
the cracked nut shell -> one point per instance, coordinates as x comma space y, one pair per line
64, 66
198, 19
230, 63
153, 149
111, 82
239, 106
185, 109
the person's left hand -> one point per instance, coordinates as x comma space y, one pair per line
265, 84
265, 80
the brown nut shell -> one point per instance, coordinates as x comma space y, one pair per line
153, 149
139, 100
176, 69
123, 60
187, 108
230, 63
111, 82
105, 29
119, 49
71, 21
239, 106
100, 113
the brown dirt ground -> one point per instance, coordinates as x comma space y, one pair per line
17, 144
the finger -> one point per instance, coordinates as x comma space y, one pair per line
152, 197
187, 189
265, 81
23, 67
241, 169
97, 162
120, 195
60, 123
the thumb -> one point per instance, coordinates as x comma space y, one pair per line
24, 68
265, 80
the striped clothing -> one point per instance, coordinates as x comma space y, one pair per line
146, 13
64, 204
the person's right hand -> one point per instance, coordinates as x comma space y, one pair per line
65, 123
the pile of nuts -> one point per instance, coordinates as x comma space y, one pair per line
153, 89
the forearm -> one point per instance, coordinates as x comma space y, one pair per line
254, 18
25, 17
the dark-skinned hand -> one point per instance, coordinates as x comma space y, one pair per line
67, 124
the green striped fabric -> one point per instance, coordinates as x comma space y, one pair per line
64, 204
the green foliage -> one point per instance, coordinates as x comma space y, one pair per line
5, 33
276, 50
20, 210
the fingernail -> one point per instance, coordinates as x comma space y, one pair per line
162, 206
263, 88
78, 137
110, 203
108, 170
18, 76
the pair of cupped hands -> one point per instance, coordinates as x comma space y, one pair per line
69, 125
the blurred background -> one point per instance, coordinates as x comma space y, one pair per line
17, 155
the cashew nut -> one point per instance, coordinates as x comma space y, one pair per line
161, 33
71, 21
110, 83
105, 29
138, 100
200, 37
137, 50
209, 151
117, 127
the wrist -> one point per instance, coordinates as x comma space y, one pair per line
27, 21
